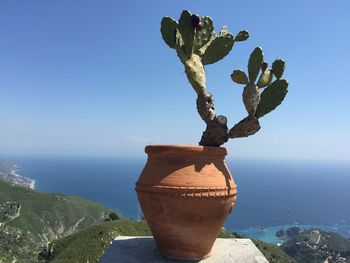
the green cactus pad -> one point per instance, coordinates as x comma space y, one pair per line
265, 78
243, 35
186, 29
251, 98
239, 77
278, 67
271, 97
168, 27
203, 36
180, 47
218, 49
254, 64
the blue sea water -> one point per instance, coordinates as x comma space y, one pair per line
272, 194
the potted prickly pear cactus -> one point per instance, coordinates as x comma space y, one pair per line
186, 192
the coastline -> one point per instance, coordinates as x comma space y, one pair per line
32, 185
268, 234
21, 180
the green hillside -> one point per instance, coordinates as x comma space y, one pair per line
315, 245
273, 253
89, 245
29, 219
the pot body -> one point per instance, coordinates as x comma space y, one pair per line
185, 193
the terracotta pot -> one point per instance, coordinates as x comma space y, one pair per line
186, 193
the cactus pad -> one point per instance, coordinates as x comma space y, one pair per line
203, 36
251, 98
180, 46
278, 67
168, 28
254, 64
239, 77
186, 29
271, 97
242, 36
219, 47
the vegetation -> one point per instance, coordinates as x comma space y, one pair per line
314, 245
42, 217
89, 245
112, 217
197, 45
274, 254
5, 258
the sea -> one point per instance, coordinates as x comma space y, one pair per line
272, 194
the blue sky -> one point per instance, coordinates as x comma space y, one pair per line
95, 78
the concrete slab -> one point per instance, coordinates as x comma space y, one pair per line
127, 249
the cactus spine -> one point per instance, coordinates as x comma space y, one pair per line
196, 45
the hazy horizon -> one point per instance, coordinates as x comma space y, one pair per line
96, 79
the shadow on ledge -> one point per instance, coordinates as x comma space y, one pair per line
134, 249
143, 249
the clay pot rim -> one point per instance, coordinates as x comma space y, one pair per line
185, 149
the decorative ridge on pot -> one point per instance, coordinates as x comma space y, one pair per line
186, 149
191, 192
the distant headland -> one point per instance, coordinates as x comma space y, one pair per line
8, 173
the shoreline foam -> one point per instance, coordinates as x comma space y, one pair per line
28, 182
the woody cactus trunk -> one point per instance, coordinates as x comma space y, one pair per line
197, 45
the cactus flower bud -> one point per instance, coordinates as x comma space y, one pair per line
264, 66
195, 20
265, 79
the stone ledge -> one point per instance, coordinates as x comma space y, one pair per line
143, 249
